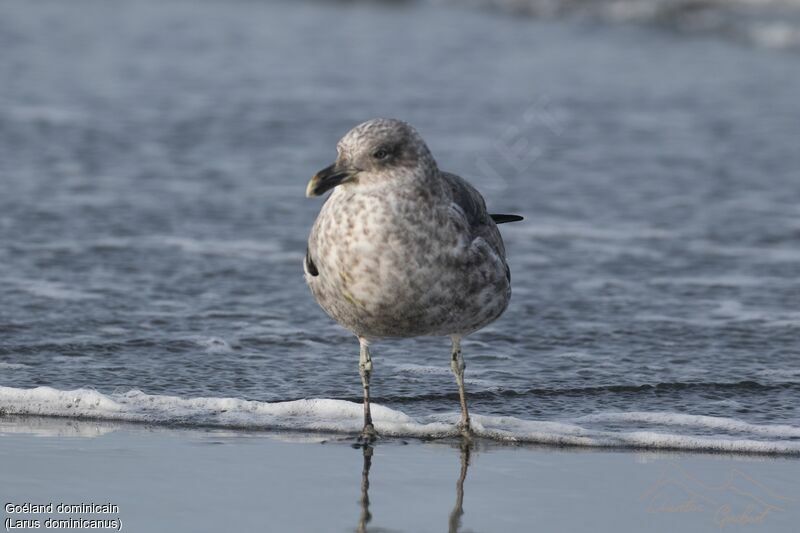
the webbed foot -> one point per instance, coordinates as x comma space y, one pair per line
368, 435
465, 430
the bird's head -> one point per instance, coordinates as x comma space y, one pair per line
373, 153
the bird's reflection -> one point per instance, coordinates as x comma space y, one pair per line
366, 516
454, 524
458, 510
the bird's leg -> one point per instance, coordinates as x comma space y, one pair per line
458, 366
368, 434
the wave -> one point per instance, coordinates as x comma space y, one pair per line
767, 23
698, 421
340, 416
12, 366
240, 248
48, 289
497, 393
702, 387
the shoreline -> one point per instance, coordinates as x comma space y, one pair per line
62, 426
603, 430
169, 479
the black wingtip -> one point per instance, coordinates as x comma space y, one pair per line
502, 219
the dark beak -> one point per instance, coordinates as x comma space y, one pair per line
328, 178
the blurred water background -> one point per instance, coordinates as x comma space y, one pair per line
154, 156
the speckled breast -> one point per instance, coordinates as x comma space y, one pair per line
383, 270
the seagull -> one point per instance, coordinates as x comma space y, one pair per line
402, 249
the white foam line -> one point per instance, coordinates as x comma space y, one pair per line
345, 417
698, 421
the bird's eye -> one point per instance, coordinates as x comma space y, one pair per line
380, 153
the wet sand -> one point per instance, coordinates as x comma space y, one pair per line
165, 479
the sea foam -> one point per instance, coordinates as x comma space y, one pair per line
339, 416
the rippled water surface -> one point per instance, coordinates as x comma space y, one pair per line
154, 156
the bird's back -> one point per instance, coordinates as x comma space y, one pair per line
472, 204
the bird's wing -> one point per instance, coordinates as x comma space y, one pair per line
469, 201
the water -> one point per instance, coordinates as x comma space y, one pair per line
154, 156
769, 23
